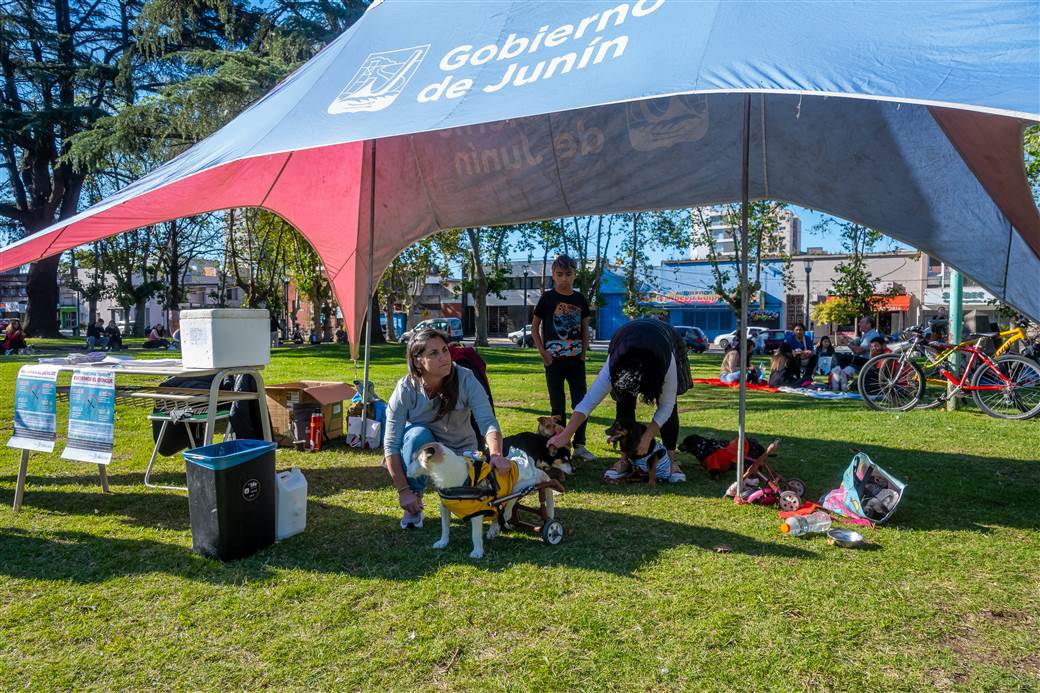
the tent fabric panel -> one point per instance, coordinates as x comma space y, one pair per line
992, 148
242, 183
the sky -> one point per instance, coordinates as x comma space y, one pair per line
829, 241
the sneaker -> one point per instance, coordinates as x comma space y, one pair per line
620, 470
412, 520
582, 453
676, 476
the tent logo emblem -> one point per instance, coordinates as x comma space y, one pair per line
657, 123
379, 81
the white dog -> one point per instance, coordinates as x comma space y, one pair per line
448, 470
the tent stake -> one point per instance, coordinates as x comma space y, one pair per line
368, 296
742, 317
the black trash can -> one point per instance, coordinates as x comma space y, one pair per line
231, 496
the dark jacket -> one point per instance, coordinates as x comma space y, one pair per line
659, 339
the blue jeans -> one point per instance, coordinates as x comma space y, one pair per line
415, 436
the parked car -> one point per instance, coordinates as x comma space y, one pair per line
695, 338
522, 337
723, 340
769, 341
451, 326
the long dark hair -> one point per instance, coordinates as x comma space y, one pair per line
449, 396
638, 371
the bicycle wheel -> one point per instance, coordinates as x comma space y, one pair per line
935, 382
888, 383
1017, 399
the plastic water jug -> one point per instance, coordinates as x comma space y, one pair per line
290, 503
799, 525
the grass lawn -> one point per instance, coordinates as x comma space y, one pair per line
104, 592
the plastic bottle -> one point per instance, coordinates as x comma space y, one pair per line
800, 525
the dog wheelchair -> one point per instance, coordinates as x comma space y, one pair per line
484, 496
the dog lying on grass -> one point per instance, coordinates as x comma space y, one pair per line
554, 461
448, 470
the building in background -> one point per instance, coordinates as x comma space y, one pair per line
13, 292
685, 289
722, 233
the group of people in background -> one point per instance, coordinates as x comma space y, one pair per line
102, 336
796, 360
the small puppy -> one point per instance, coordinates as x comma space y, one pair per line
448, 470
556, 462
626, 437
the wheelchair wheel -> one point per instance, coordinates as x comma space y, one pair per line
552, 532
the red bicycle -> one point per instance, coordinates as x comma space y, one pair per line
1005, 387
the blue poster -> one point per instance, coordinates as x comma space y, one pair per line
92, 416
35, 413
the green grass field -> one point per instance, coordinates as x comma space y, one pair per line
103, 591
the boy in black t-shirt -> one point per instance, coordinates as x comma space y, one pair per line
560, 329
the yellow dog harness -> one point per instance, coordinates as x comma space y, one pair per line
485, 485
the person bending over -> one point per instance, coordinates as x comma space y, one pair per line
646, 359
433, 403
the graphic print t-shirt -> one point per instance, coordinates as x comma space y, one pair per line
561, 318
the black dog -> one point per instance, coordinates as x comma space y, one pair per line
626, 436
554, 461
718, 456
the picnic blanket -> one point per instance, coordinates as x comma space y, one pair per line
819, 394
715, 382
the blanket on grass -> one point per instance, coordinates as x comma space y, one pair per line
715, 382
819, 394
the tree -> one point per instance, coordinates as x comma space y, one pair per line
836, 311
658, 230
854, 281
406, 277
489, 246
765, 240
65, 65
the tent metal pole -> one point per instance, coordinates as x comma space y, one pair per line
742, 317
955, 315
368, 296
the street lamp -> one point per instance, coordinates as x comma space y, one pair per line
808, 271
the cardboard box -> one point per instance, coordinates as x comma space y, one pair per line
289, 400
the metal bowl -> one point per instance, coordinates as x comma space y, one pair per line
845, 537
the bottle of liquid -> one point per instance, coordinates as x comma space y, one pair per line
317, 431
800, 525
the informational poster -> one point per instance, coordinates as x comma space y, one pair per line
35, 408
92, 416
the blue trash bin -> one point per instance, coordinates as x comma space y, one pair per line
231, 498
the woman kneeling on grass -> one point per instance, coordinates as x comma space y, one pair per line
647, 360
433, 403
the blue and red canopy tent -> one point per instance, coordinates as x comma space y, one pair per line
906, 117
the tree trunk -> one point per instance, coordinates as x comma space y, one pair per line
391, 334
373, 321
480, 291
139, 315
173, 273
91, 310
41, 317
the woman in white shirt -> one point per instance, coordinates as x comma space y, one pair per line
646, 360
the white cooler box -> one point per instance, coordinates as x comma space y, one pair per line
225, 337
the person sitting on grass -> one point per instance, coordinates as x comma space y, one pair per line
433, 403
14, 338
646, 360
155, 339
729, 371
860, 348
784, 368
824, 355
115, 337
803, 353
